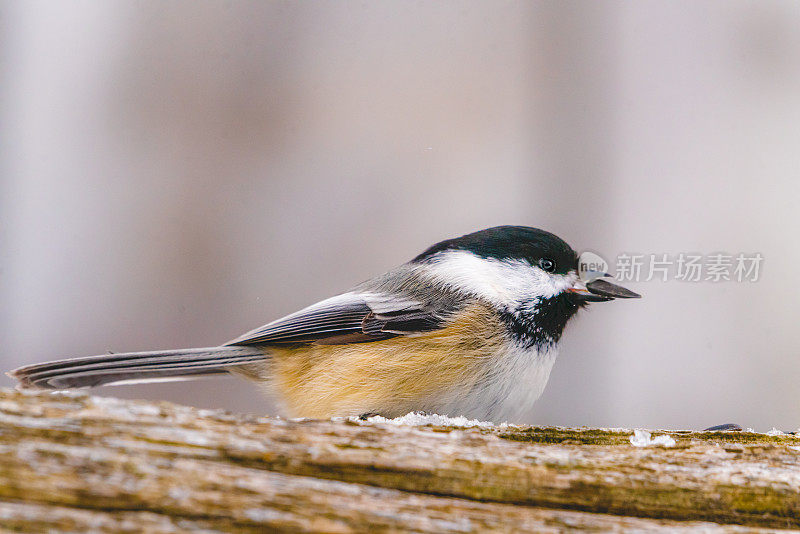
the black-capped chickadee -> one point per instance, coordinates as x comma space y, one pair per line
469, 327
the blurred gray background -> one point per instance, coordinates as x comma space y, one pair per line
174, 174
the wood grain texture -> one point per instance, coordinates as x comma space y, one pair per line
78, 463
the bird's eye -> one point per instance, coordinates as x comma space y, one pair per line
547, 264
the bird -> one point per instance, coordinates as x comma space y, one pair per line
469, 327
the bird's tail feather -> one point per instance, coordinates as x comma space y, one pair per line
130, 367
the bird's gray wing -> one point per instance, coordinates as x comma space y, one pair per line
354, 317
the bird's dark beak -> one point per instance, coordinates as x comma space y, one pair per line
605, 288
600, 290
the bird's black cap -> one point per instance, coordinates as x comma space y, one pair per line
511, 242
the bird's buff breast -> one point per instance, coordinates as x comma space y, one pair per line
471, 367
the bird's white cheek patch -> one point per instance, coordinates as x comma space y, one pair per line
502, 282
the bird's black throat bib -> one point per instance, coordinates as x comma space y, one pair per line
540, 321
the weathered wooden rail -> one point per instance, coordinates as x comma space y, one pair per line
77, 463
